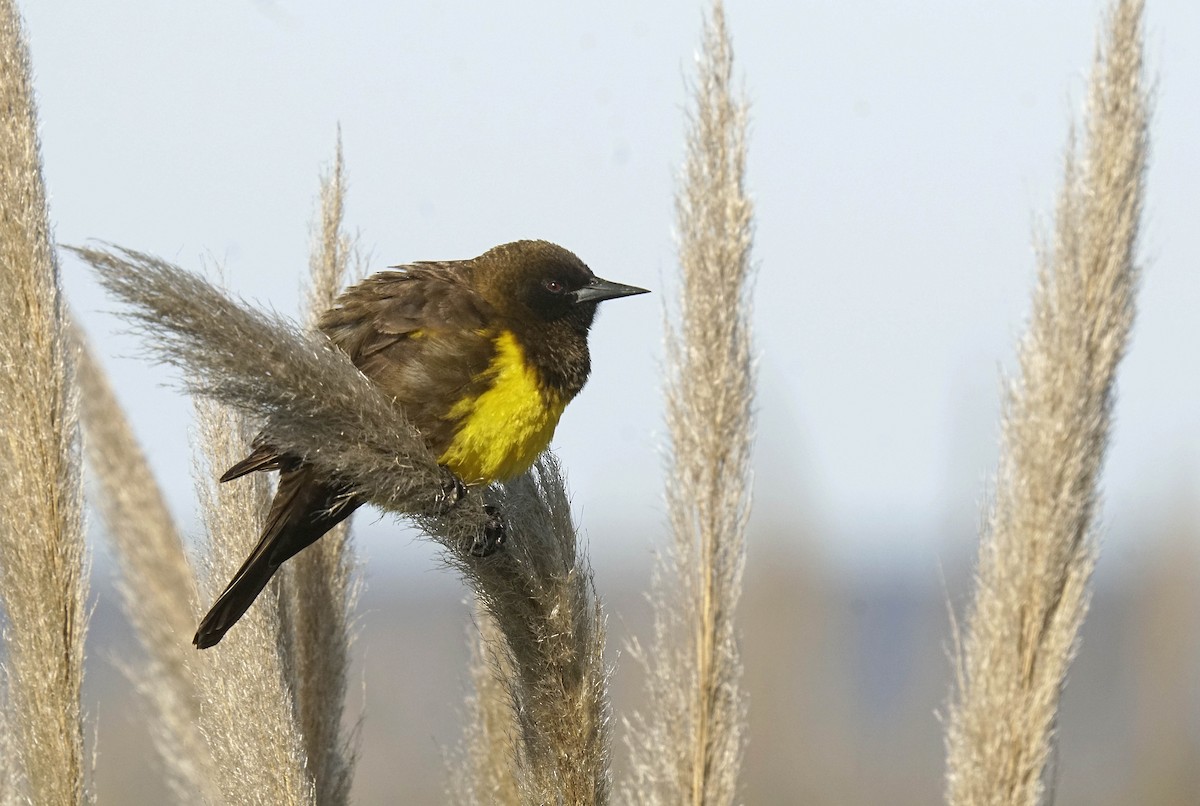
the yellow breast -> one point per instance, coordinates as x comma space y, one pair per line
503, 430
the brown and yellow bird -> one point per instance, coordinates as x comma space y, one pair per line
482, 354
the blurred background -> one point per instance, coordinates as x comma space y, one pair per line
901, 158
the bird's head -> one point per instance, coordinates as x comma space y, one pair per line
542, 281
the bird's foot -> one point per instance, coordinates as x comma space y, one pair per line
453, 491
492, 537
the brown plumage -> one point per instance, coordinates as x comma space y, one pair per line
482, 354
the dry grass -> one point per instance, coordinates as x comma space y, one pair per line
688, 747
540, 593
247, 712
319, 586
1038, 549
224, 724
9, 774
483, 770
157, 586
42, 557
259, 721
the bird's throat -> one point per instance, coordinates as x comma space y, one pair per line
503, 430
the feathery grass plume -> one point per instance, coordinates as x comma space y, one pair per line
487, 773
42, 557
687, 748
328, 265
9, 775
247, 712
318, 585
540, 593
1038, 549
311, 401
157, 586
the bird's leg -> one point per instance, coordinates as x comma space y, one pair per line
493, 535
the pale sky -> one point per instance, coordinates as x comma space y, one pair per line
900, 156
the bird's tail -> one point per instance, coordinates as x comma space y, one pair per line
302, 511
241, 592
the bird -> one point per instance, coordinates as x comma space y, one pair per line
483, 355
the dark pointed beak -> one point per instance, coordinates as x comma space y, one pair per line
599, 290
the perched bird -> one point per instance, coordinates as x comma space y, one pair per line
482, 354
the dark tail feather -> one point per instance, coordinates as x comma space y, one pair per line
302, 511
249, 581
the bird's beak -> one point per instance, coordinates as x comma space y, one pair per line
599, 290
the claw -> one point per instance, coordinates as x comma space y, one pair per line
492, 537
453, 491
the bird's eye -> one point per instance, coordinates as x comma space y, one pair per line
554, 286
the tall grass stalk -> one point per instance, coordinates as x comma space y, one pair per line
483, 771
1038, 548
247, 710
270, 725
42, 557
540, 593
9, 774
157, 585
319, 586
687, 748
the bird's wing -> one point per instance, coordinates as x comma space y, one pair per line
421, 333
263, 457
